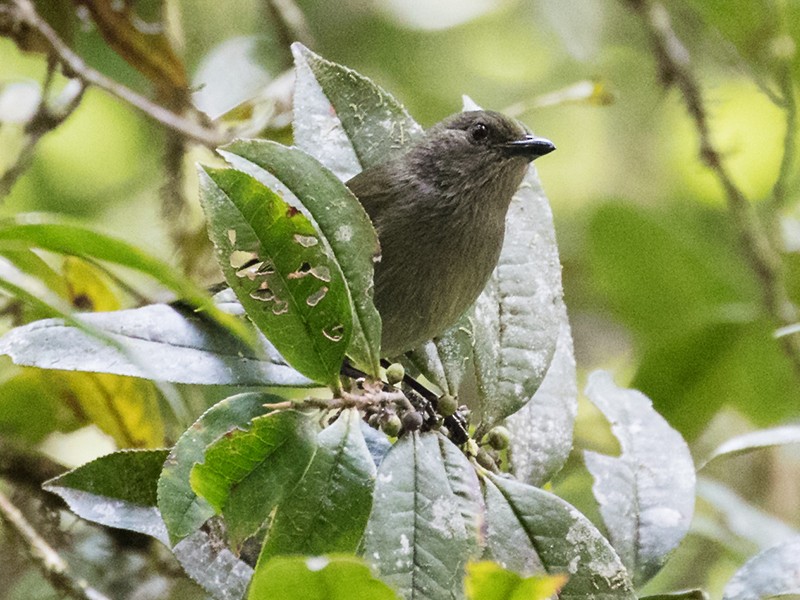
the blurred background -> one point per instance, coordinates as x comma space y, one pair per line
656, 283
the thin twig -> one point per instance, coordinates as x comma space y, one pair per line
24, 14
50, 563
673, 61
44, 120
346, 400
780, 192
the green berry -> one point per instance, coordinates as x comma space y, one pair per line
485, 460
447, 405
498, 437
391, 426
395, 373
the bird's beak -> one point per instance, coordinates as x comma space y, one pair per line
531, 147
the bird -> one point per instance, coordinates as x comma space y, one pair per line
439, 211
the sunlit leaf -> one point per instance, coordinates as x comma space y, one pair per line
126, 408
183, 510
96, 491
317, 578
646, 495
328, 509
247, 472
343, 224
487, 580
271, 256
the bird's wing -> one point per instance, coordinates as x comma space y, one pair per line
373, 188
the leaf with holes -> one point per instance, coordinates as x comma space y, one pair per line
344, 228
272, 258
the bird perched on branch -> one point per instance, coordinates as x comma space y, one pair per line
439, 211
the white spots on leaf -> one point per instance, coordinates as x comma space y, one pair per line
232, 236
240, 258
316, 563
446, 517
344, 233
405, 545
385, 477
281, 307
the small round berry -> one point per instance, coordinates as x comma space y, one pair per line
412, 420
498, 437
392, 425
447, 405
395, 373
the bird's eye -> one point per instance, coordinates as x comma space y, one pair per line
480, 132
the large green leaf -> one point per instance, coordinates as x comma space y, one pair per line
184, 511
271, 256
344, 119
646, 495
247, 472
343, 224
160, 342
417, 536
328, 510
519, 315
97, 492
533, 531
317, 578
56, 235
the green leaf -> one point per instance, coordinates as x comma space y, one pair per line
56, 235
343, 225
98, 492
646, 495
446, 360
487, 580
294, 291
770, 573
416, 536
519, 315
755, 440
160, 342
247, 472
317, 578
183, 511
541, 431
533, 531
329, 508
344, 119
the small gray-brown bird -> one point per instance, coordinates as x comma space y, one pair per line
439, 211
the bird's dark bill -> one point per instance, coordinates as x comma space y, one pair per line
530, 146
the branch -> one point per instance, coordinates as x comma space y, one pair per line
673, 61
44, 120
780, 193
50, 563
23, 14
